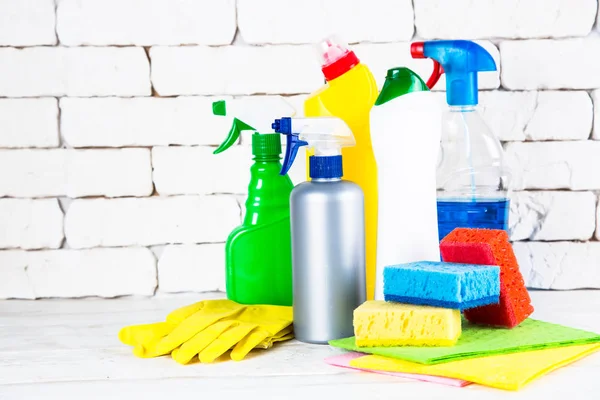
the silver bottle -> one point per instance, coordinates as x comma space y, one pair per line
328, 253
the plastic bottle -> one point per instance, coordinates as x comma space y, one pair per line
349, 94
405, 131
472, 178
328, 232
258, 253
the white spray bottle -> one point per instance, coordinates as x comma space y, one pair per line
405, 132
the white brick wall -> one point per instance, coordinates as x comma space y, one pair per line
513, 19
176, 170
79, 71
559, 265
192, 268
109, 186
543, 115
145, 22
27, 22
308, 21
552, 215
209, 70
30, 224
29, 123
555, 165
75, 173
550, 64
150, 221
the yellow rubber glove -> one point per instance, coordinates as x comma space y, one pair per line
253, 326
208, 313
283, 335
271, 320
136, 335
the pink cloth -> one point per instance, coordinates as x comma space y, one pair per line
343, 360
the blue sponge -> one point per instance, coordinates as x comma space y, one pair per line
440, 284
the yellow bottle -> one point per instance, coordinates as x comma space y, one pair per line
349, 94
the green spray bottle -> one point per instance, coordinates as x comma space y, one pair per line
258, 253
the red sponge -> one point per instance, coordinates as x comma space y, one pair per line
491, 247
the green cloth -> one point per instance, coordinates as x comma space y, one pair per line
480, 341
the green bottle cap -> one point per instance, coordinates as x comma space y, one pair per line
266, 145
398, 82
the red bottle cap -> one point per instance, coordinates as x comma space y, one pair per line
336, 58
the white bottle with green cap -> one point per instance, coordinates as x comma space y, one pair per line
405, 132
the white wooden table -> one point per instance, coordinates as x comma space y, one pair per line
68, 349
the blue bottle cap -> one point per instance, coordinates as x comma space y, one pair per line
326, 167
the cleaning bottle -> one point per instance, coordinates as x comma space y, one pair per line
349, 93
328, 232
405, 132
472, 178
258, 253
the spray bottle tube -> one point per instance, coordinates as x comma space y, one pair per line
328, 232
472, 178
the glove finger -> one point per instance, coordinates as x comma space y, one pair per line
177, 316
226, 341
245, 345
192, 325
189, 349
136, 334
284, 332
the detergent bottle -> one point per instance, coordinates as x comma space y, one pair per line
405, 132
328, 232
472, 178
349, 93
258, 253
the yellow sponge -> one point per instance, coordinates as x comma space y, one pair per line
385, 324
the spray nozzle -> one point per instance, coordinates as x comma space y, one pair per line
237, 126
238, 112
326, 135
461, 60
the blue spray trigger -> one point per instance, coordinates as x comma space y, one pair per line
291, 151
293, 143
461, 60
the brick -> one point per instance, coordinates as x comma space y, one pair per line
155, 121
140, 121
559, 265
546, 115
514, 19
150, 221
75, 173
77, 273
27, 22
596, 101
598, 221
381, 57
550, 216
29, 123
554, 165
64, 71
30, 224
202, 70
550, 64
196, 170
309, 21
192, 268
145, 22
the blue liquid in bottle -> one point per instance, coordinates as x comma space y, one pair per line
487, 214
